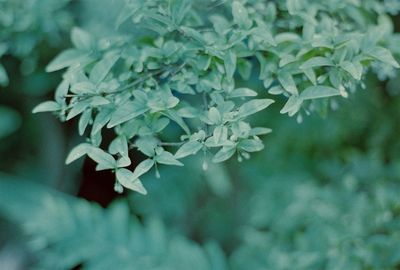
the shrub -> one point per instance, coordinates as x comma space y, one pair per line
189, 70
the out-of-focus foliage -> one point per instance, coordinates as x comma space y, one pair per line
66, 232
9, 121
31, 33
25, 25
186, 67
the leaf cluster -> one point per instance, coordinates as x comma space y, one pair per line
189, 71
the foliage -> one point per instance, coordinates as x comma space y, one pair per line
324, 195
321, 198
24, 25
68, 232
190, 69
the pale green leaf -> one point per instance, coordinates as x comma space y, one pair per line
292, 106
66, 59
84, 120
189, 148
142, 168
240, 15
288, 83
254, 106
126, 178
78, 108
224, 153
104, 160
230, 63
78, 152
47, 106
214, 116
250, 145
126, 112
102, 68
179, 9
317, 61
319, 91
355, 69
383, 55
167, 158
119, 145
259, 131
81, 39
242, 92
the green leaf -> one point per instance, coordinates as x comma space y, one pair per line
220, 135
10, 121
101, 120
224, 153
250, 145
78, 108
126, 112
62, 90
102, 68
86, 117
78, 152
81, 39
174, 116
230, 63
126, 12
47, 106
276, 90
146, 145
82, 88
259, 131
160, 125
310, 73
355, 69
288, 83
66, 59
242, 92
220, 24
194, 34
167, 158
335, 77
383, 55
292, 106
293, 6
214, 116
179, 9
189, 148
319, 91
97, 101
142, 168
244, 68
240, 15
123, 161
126, 178
104, 160
317, 62
254, 106
119, 145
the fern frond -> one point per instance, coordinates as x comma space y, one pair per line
66, 232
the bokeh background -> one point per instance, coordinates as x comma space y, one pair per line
324, 194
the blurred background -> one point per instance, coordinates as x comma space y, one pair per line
323, 194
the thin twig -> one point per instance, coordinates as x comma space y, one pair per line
176, 144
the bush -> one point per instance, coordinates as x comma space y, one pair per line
182, 81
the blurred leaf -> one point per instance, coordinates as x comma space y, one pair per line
10, 121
